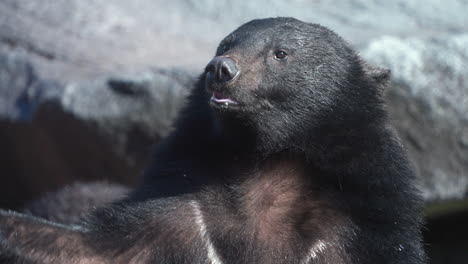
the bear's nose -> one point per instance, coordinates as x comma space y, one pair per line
221, 69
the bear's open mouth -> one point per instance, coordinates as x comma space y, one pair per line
219, 98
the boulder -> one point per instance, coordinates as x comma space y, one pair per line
103, 129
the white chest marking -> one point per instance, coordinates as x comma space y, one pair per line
212, 255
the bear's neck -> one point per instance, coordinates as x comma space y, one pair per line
327, 145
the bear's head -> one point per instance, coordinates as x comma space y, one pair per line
289, 79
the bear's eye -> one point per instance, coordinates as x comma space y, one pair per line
281, 55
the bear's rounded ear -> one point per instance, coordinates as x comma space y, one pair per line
380, 76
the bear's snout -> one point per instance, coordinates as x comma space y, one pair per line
221, 69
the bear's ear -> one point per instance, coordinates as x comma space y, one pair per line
380, 76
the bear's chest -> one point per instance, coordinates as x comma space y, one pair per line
264, 219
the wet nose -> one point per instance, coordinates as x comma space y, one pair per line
221, 69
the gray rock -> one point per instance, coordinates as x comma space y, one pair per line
131, 111
53, 134
17, 79
82, 39
429, 105
433, 69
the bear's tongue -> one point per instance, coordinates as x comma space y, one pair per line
218, 97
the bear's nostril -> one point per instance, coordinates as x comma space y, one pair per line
225, 70
225, 74
211, 68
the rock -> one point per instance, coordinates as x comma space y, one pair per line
83, 39
17, 80
104, 129
72, 40
429, 105
132, 111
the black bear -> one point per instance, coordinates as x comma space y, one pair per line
283, 154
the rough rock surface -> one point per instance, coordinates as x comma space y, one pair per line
429, 104
73, 39
53, 134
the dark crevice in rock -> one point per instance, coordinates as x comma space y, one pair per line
13, 43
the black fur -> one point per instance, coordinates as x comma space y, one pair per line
304, 169
71, 203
